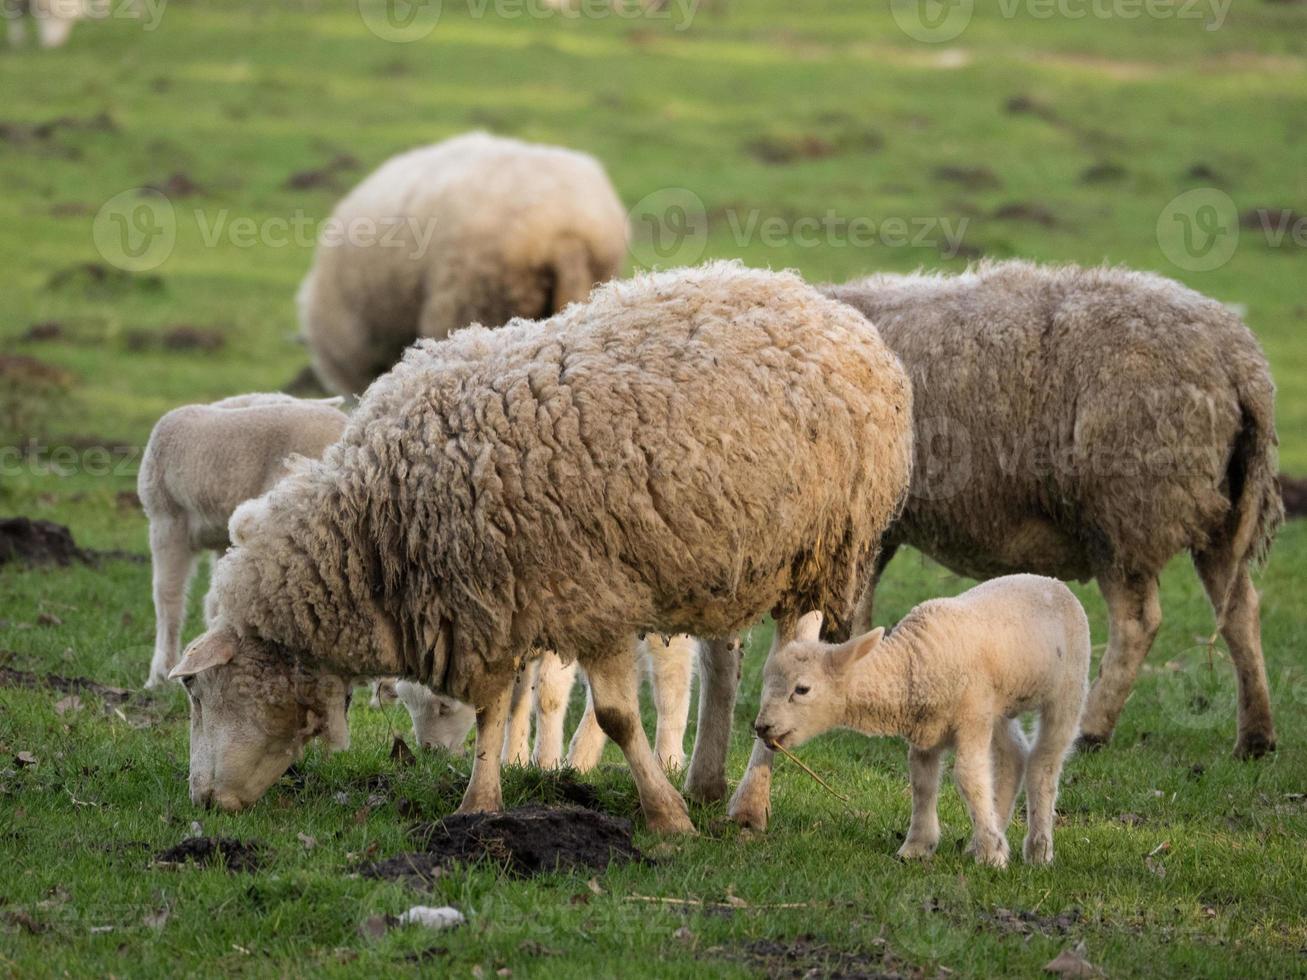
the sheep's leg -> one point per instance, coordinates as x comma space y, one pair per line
1010, 755
484, 792
588, 740
517, 733
1057, 730
174, 563
671, 668
615, 690
1134, 614
862, 615
719, 676
554, 681
751, 805
923, 831
1243, 635
974, 773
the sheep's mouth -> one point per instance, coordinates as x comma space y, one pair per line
777, 742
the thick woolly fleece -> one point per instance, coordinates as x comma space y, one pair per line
1071, 421
477, 229
685, 452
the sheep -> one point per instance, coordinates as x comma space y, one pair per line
1089, 423
477, 229
200, 463
684, 452
54, 20
954, 673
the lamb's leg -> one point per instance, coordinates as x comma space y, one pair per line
719, 676
588, 740
1057, 730
517, 734
974, 773
554, 681
484, 792
615, 690
1243, 635
174, 563
1010, 754
1134, 614
671, 667
923, 831
751, 805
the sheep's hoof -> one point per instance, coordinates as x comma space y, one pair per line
917, 850
712, 790
993, 854
1091, 743
670, 821
1038, 850
1253, 745
750, 818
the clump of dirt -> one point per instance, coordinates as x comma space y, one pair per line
1271, 220
1204, 172
179, 337
46, 330
1294, 492
98, 279
235, 855
38, 543
65, 685
806, 956
976, 178
177, 184
1029, 211
526, 841
1028, 105
1103, 173
777, 150
1023, 923
13, 132
326, 177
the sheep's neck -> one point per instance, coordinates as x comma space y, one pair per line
885, 696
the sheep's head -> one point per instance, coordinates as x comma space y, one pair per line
805, 684
439, 722
252, 713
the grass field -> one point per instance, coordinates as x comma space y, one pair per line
1057, 137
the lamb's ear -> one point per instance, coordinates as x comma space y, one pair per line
808, 628
846, 655
210, 650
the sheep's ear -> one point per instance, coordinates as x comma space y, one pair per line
210, 650
846, 655
808, 627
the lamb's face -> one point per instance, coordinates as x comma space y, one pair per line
439, 722
251, 716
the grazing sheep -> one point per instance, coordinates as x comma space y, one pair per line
54, 20
683, 453
1090, 423
477, 229
954, 673
200, 464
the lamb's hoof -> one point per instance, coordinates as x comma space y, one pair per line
711, 790
1038, 850
480, 806
1091, 743
993, 854
1254, 745
670, 821
751, 818
917, 850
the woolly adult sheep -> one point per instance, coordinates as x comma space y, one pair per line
200, 464
477, 229
1090, 423
683, 453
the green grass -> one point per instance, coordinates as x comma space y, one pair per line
238, 96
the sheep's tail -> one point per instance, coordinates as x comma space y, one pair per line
573, 279
1254, 487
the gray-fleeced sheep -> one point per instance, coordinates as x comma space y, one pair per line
477, 229
200, 464
1090, 423
685, 452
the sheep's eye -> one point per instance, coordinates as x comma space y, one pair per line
801, 689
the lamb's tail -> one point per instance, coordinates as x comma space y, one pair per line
573, 278
1254, 490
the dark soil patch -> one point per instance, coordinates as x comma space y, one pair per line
806, 956
1204, 172
235, 855
778, 150
179, 337
28, 372
326, 177
98, 279
70, 209
1272, 220
526, 841
177, 184
976, 178
1294, 492
1023, 923
14, 132
37, 542
1028, 105
1028, 211
47, 330
305, 385
64, 685
1103, 173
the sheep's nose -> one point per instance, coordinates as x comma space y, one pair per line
764, 730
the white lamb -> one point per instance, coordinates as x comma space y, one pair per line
954, 673
200, 464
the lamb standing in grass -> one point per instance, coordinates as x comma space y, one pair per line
683, 453
954, 673
200, 464
477, 229
1089, 423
